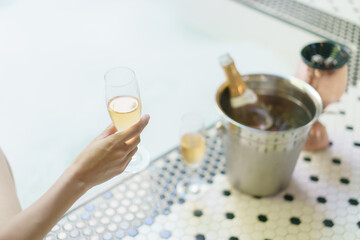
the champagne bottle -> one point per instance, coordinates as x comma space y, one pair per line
245, 104
240, 94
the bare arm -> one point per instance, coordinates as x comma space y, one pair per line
9, 202
107, 156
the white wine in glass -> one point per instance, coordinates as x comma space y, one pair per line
124, 106
192, 148
124, 111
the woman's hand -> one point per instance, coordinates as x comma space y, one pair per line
108, 155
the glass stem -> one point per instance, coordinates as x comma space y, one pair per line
192, 173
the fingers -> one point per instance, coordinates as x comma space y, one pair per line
134, 130
130, 155
107, 132
122, 163
132, 143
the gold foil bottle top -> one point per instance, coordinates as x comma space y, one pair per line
225, 60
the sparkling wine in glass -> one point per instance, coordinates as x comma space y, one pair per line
124, 106
192, 147
124, 111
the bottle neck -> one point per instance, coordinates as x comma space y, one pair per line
236, 84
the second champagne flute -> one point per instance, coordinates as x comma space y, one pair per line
124, 106
192, 147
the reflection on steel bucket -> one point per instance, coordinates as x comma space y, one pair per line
260, 162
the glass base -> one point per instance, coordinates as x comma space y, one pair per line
190, 189
139, 161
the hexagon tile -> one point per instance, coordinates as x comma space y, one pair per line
321, 202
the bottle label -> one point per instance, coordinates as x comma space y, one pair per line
248, 97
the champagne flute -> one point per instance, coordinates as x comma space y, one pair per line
124, 106
192, 147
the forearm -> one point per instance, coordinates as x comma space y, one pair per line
106, 157
9, 202
36, 221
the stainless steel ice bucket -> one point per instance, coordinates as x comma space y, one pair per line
259, 162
